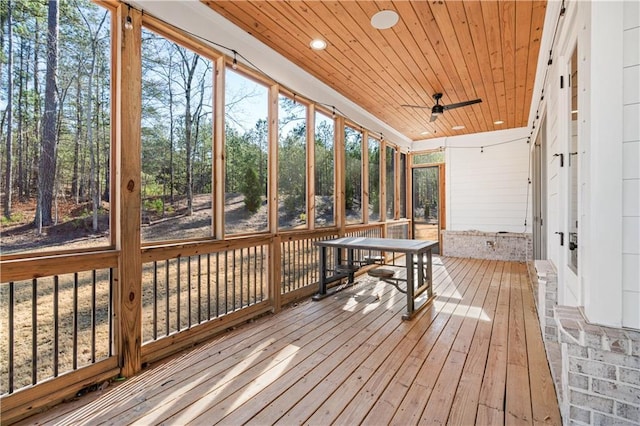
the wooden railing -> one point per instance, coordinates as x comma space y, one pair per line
57, 326
59, 312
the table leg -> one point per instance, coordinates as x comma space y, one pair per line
323, 270
430, 273
350, 263
410, 290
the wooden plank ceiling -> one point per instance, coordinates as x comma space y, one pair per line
463, 49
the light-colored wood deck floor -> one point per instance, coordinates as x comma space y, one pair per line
474, 356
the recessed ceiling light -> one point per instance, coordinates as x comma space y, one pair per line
318, 44
426, 132
384, 19
498, 122
457, 128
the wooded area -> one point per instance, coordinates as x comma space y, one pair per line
56, 118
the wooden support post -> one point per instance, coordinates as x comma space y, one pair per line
275, 273
218, 149
409, 183
339, 176
128, 92
365, 177
272, 159
311, 166
383, 182
275, 269
396, 183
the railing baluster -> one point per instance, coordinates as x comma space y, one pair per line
261, 272
199, 290
155, 300
93, 317
208, 286
34, 331
241, 275
56, 330
189, 291
75, 320
217, 284
11, 335
178, 294
226, 282
233, 283
110, 311
166, 296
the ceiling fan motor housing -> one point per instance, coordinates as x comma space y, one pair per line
437, 109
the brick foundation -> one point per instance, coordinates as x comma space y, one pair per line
596, 369
487, 245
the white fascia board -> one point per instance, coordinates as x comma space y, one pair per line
197, 18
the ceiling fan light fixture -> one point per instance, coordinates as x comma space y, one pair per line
384, 19
459, 127
318, 44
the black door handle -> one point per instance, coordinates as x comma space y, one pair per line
561, 237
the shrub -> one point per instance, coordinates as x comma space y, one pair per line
251, 190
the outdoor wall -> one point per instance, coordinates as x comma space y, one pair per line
631, 166
486, 185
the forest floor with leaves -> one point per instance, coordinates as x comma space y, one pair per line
74, 229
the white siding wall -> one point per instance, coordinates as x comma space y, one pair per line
631, 166
608, 39
486, 180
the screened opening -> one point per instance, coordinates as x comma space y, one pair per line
176, 135
292, 163
324, 170
246, 154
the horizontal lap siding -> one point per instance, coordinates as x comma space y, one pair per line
631, 167
489, 186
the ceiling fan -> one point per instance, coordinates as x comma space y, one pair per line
438, 109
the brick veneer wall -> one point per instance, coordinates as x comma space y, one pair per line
508, 246
596, 369
601, 370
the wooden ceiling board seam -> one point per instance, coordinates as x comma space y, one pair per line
423, 10
507, 18
428, 51
432, 68
301, 63
475, 19
379, 101
471, 52
490, 14
451, 39
370, 59
310, 55
523, 30
537, 15
391, 36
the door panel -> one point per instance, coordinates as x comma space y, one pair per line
428, 210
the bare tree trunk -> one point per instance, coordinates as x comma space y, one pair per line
75, 187
20, 122
47, 168
9, 165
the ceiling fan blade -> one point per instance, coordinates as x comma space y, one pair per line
461, 104
434, 117
415, 106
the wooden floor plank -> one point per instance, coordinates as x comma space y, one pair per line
518, 396
410, 409
465, 403
351, 359
544, 403
495, 374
